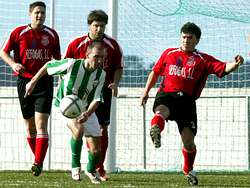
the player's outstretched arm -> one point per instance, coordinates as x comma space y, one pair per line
230, 67
32, 83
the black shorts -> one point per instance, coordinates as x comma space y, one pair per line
40, 99
182, 109
103, 110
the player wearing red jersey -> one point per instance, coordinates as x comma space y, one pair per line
184, 71
113, 66
33, 45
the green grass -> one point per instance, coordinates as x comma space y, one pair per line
122, 180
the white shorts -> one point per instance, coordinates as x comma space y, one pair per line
92, 126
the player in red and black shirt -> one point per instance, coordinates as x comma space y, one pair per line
113, 66
33, 45
184, 71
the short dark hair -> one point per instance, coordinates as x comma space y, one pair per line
97, 15
190, 27
37, 4
95, 43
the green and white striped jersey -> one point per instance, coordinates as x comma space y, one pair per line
76, 79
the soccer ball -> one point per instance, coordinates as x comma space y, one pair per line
71, 106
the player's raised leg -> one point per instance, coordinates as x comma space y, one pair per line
158, 123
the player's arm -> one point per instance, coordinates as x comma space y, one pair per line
16, 67
92, 107
85, 115
118, 69
115, 84
32, 83
53, 67
230, 67
152, 79
57, 48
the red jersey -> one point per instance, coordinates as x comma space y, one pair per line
33, 48
186, 72
78, 47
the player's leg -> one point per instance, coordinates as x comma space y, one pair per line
42, 138
28, 112
187, 125
103, 150
42, 95
92, 132
76, 148
93, 158
188, 150
103, 114
189, 153
41, 143
31, 133
161, 113
157, 124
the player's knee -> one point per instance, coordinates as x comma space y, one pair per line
41, 129
163, 110
95, 151
31, 130
41, 126
78, 133
189, 146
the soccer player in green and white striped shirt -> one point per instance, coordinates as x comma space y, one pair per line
84, 78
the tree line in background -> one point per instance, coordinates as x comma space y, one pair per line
136, 72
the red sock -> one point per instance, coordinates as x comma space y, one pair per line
32, 142
188, 160
159, 120
103, 150
42, 142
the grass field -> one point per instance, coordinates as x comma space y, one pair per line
122, 180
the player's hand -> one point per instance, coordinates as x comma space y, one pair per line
18, 68
29, 88
143, 99
114, 88
238, 60
83, 117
